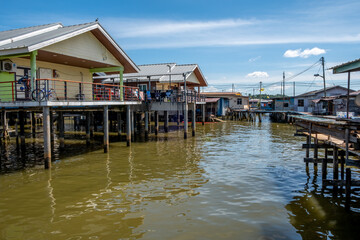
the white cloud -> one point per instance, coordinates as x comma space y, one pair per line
304, 54
258, 75
254, 59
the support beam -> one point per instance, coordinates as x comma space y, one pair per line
61, 129
33, 70
166, 121
128, 125
178, 119
118, 116
156, 123
106, 129
203, 114
87, 128
146, 124
335, 164
22, 129
193, 120
47, 137
348, 189
185, 120
133, 119
33, 124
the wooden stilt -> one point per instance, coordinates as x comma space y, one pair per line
178, 119
87, 128
185, 120
316, 150
33, 124
342, 165
348, 189
128, 125
166, 121
203, 114
156, 122
193, 120
118, 116
146, 119
324, 167
47, 136
61, 129
132, 125
106, 129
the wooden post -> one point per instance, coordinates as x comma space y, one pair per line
87, 128
17, 132
342, 165
22, 129
47, 137
335, 163
156, 122
146, 124
132, 125
106, 129
308, 142
166, 121
128, 125
185, 120
5, 126
203, 114
316, 150
51, 126
61, 129
193, 122
259, 117
118, 116
324, 166
348, 189
178, 119
92, 123
33, 124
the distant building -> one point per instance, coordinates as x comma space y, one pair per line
227, 101
265, 104
283, 103
308, 102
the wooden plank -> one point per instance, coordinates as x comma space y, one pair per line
318, 146
317, 160
339, 134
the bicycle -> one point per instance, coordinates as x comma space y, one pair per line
41, 94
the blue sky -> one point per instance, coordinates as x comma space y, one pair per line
234, 42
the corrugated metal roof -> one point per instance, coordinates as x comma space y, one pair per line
33, 38
319, 91
41, 38
233, 94
344, 64
9, 34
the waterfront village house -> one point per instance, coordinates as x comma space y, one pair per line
265, 104
165, 80
339, 104
58, 52
227, 101
304, 102
283, 103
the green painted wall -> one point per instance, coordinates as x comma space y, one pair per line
6, 91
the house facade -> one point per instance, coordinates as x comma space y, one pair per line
61, 60
306, 102
228, 101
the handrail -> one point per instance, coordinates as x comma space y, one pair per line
72, 81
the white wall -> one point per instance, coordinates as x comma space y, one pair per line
85, 46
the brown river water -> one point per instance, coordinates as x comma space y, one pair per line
234, 180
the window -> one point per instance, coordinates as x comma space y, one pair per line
301, 102
142, 87
286, 104
239, 101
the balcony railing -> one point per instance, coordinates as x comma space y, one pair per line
66, 90
173, 96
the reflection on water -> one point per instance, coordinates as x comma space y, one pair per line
235, 180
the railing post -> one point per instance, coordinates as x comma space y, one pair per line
65, 90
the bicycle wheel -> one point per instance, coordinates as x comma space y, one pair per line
52, 95
38, 95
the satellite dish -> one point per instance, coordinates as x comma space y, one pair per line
357, 100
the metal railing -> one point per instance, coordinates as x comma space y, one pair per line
173, 96
66, 90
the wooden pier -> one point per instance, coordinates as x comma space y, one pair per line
338, 141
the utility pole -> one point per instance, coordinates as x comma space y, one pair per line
283, 90
260, 96
294, 88
323, 67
